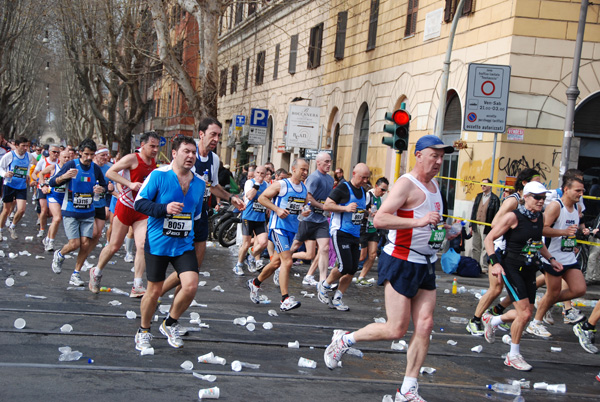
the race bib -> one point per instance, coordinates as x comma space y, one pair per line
60, 189
295, 205
567, 244
82, 200
532, 248
20, 172
257, 207
318, 211
437, 238
358, 216
179, 225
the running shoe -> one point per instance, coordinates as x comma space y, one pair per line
335, 350
253, 291
573, 316
87, 265
94, 284
586, 338
129, 257
310, 280
504, 326
411, 395
289, 303
238, 269
172, 333
41, 233
548, 319
259, 265
339, 305
276, 277
48, 244
142, 340
323, 293
598, 377
489, 331
363, 283
538, 330
76, 279
137, 291
517, 362
475, 328
57, 262
251, 263
13, 233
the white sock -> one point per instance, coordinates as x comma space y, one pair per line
496, 320
407, 384
515, 349
138, 282
338, 294
129, 245
537, 321
349, 339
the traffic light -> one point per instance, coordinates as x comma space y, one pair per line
399, 129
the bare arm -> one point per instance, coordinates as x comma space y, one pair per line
510, 204
508, 221
331, 206
127, 162
220, 192
266, 197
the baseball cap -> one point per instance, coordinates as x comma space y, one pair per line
534, 187
432, 141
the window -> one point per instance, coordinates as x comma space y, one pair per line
373, 25
450, 9
260, 67
293, 54
247, 73
340, 35
276, 63
223, 86
234, 78
411, 17
239, 12
363, 139
251, 8
314, 47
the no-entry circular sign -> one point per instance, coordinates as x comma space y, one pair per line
488, 88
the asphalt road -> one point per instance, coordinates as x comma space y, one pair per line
30, 369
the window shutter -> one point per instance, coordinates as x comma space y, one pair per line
448, 11
293, 54
340, 36
372, 39
276, 63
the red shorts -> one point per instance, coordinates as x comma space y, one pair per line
128, 216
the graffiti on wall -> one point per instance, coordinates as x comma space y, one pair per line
469, 188
512, 167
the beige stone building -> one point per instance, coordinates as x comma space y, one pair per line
358, 59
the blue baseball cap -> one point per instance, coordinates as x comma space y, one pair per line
431, 141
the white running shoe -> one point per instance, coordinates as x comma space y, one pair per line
76, 279
129, 257
538, 330
339, 305
310, 280
517, 361
289, 303
238, 269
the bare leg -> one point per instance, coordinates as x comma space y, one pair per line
183, 298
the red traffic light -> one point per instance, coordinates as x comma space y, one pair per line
401, 117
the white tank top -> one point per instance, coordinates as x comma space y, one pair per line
561, 247
416, 239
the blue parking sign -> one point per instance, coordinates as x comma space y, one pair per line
259, 117
240, 120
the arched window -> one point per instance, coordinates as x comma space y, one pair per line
451, 133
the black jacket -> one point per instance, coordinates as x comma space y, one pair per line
493, 207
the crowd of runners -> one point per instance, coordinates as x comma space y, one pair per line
161, 214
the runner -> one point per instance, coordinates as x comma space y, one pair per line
136, 167
51, 159
348, 205
586, 331
289, 199
13, 168
411, 212
55, 197
83, 178
522, 230
172, 198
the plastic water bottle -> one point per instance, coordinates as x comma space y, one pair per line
510, 389
304, 209
457, 227
372, 214
205, 176
97, 195
454, 287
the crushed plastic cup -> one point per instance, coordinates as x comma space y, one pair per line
64, 349
451, 342
477, 349
209, 377
28, 238
250, 327
294, 345
387, 398
38, 257
540, 385
555, 349
196, 304
71, 356
209, 393
400, 345
202, 283
2, 254
131, 314
9, 282
303, 362
459, 320
506, 339
114, 303
164, 308
273, 313
210, 358
557, 388
236, 365
218, 288
205, 273
451, 309
25, 253
194, 316
23, 273
379, 320
427, 370
267, 325
147, 351
66, 328
355, 352
250, 319
20, 323
240, 321
187, 365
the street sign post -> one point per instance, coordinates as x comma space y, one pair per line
259, 119
487, 98
303, 127
311, 154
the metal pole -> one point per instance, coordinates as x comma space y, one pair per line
573, 92
439, 124
494, 157
397, 167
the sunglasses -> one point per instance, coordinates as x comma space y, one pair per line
55, 152
538, 197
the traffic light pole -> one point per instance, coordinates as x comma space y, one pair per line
397, 170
